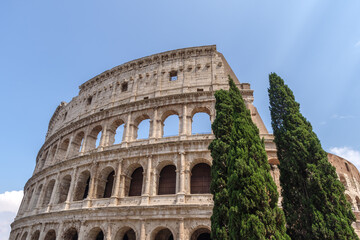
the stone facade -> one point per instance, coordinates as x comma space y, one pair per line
86, 185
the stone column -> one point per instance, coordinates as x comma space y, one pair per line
82, 232
127, 130
122, 185
68, 151
42, 194
108, 232
83, 147
181, 230
60, 230
71, 188
146, 193
181, 190
154, 126
94, 177
53, 160
103, 143
142, 231
116, 192
183, 121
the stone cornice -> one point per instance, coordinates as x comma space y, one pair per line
149, 60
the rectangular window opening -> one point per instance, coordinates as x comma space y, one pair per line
124, 87
173, 76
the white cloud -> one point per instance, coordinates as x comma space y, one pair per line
349, 154
9, 205
336, 116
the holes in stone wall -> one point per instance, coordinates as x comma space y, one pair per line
173, 76
124, 87
89, 100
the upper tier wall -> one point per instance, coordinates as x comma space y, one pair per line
197, 69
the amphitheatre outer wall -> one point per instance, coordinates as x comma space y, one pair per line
87, 185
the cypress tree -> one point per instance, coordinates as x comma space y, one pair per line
314, 203
253, 196
219, 151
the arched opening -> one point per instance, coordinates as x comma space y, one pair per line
171, 126
348, 198
28, 199
143, 129
71, 234
163, 234
35, 198
53, 152
82, 188
343, 181
136, 182
201, 234
93, 139
96, 234
106, 183
357, 202
126, 234
51, 235
200, 178
48, 192
64, 188
201, 123
43, 160
62, 150
24, 236
35, 235
116, 132
77, 143
167, 180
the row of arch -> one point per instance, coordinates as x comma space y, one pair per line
133, 185
102, 135
126, 233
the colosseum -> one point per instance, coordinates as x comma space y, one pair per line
95, 178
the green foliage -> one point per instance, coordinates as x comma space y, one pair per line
314, 203
219, 151
245, 195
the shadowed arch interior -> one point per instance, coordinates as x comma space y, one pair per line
82, 188
109, 185
164, 234
51, 235
35, 235
136, 182
48, 192
167, 180
64, 188
200, 178
71, 234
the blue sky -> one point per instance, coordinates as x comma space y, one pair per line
49, 48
